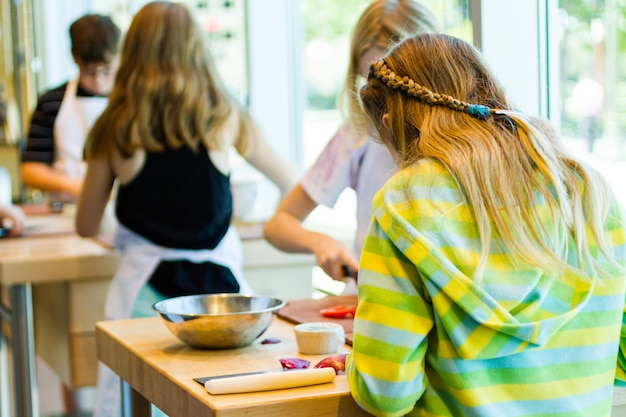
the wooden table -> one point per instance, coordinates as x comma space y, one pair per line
159, 369
49, 253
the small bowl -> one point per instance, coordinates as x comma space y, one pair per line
319, 338
218, 321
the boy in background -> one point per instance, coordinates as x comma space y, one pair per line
52, 160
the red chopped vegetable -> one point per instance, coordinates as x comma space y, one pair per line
294, 363
338, 362
270, 341
339, 312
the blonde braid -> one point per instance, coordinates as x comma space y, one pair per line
381, 71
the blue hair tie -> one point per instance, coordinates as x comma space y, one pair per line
478, 110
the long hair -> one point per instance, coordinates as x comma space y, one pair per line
381, 25
167, 93
444, 104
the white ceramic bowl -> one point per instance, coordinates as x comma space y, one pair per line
319, 338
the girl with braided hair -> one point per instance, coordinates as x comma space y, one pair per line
493, 276
351, 159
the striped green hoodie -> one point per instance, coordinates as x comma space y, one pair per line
428, 341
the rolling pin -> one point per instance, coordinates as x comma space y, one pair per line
269, 381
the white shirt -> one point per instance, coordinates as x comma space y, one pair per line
354, 161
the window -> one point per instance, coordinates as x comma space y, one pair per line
592, 46
327, 28
563, 59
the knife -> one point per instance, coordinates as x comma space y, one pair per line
266, 381
204, 379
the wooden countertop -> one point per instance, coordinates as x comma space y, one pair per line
49, 250
161, 368
53, 258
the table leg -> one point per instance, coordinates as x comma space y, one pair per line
133, 403
23, 351
4, 366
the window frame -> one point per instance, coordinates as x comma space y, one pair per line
529, 28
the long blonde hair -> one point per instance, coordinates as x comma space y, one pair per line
444, 104
167, 93
381, 25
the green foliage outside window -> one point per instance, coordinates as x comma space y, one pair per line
327, 28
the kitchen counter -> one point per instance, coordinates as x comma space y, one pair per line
160, 370
49, 255
61, 281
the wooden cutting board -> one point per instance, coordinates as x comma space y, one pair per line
305, 311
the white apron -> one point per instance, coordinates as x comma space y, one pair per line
71, 126
140, 258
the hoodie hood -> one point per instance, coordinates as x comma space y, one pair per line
481, 327
512, 309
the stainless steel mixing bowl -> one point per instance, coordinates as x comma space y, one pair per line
218, 321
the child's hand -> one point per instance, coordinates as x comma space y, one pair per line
334, 258
12, 219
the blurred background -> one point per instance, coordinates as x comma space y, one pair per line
286, 60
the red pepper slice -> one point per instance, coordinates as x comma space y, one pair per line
339, 312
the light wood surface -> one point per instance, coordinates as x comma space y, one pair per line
69, 277
50, 258
161, 369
